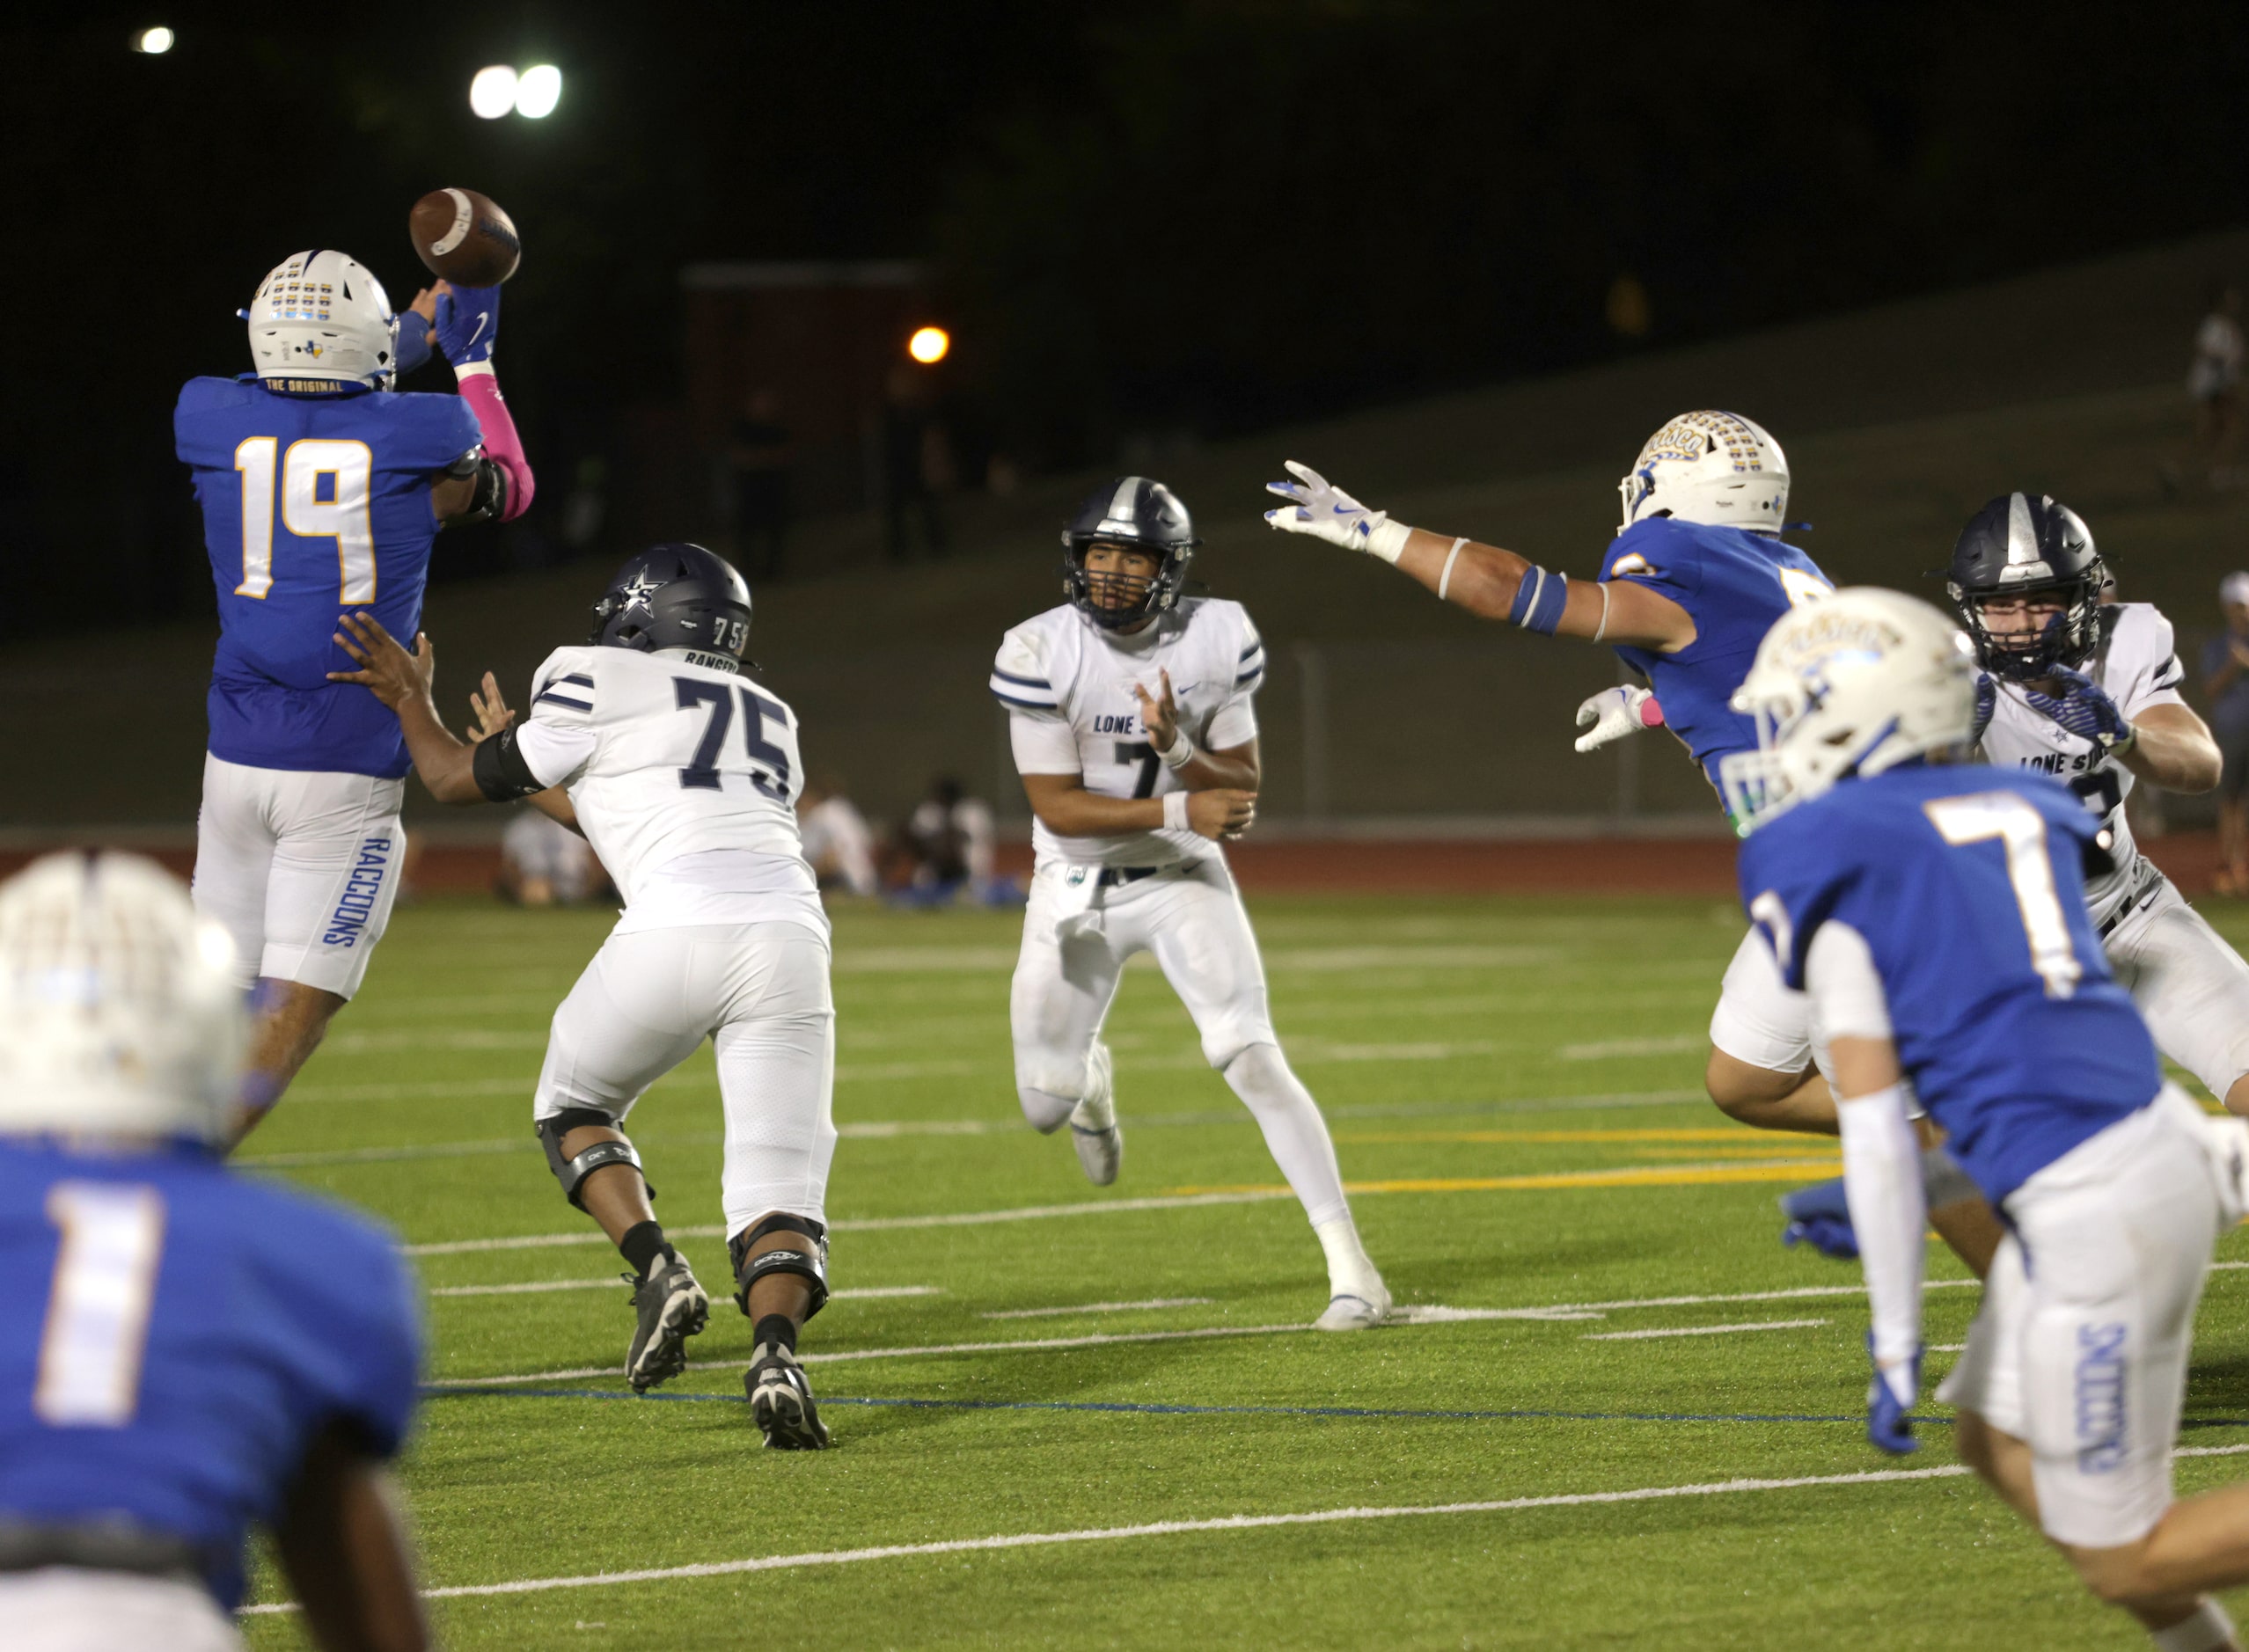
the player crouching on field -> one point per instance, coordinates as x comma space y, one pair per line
183, 1351
1935, 911
1133, 789
684, 777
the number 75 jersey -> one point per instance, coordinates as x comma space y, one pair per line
311, 505
666, 760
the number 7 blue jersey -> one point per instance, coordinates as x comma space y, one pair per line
1967, 885
1734, 584
311, 505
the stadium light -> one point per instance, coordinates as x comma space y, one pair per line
539, 90
493, 92
154, 43
929, 345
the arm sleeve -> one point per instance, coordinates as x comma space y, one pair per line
1881, 1158
1235, 723
480, 391
1044, 744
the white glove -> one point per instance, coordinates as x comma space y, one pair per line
1615, 712
1327, 512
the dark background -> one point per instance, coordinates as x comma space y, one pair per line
1144, 220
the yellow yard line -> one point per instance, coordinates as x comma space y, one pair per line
1638, 1176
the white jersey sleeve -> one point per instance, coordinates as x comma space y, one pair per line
558, 739
2141, 666
1236, 722
1037, 730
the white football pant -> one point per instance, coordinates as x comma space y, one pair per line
300, 867
70, 1609
759, 992
1190, 917
2080, 1348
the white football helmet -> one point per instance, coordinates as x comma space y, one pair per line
1709, 467
323, 315
119, 1011
1854, 684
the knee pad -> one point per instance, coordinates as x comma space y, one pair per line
572, 1173
807, 1262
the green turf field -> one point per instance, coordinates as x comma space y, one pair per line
1514, 1089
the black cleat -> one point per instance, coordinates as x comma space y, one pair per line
782, 1400
672, 1308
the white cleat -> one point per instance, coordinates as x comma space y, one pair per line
1093, 1122
1356, 1310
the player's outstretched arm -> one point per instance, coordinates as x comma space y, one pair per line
2172, 747
1487, 582
345, 1551
467, 328
402, 682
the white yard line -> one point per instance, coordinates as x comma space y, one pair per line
1096, 1307
1699, 1330
1615, 1047
1169, 1528
613, 1281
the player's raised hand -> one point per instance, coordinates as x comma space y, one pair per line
387, 670
488, 711
1319, 507
1221, 813
2086, 710
1159, 717
1889, 1403
468, 323
1615, 712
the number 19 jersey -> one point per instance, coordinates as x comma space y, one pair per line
685, 778
311, 505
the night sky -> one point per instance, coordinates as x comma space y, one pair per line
1212, 217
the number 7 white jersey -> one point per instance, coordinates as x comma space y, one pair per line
1067, 685
2137, 666
685, 778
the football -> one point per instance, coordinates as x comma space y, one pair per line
465, 238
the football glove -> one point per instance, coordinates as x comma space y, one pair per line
2084, 709
468, 324
1986, 703
1889, 1404
1615, 712
1323, 510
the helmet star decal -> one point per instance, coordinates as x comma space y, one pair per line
637, 591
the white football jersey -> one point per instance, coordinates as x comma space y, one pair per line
2138, 667
1067, 685
685, 778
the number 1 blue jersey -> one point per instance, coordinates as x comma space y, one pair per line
1967, 885
311, 505
172, 1337
1734, 584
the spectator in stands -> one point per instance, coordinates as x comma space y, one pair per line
762, 452
916, 464
544, 863
947, 844
837, 841
2225, 682
2214, 381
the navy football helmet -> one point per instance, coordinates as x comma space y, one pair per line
1145, 515
675, 596
2026, 545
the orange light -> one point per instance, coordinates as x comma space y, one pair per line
929, 345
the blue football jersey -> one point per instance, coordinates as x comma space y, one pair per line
311, 505
1967, 884
1734, 584
172, 1337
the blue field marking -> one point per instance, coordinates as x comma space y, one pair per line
440, 1391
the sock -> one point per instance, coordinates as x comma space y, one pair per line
1350, 1270
775, 1327
1295, 1134
2208, 1630
1942, 1181
642, 1244
1047, 1112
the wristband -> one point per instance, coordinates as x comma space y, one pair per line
1175, 812
1539, 601
1180, 752
1444, 579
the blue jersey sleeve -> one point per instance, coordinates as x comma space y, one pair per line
200, 431
1660, 554
424, 433
361, 1337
